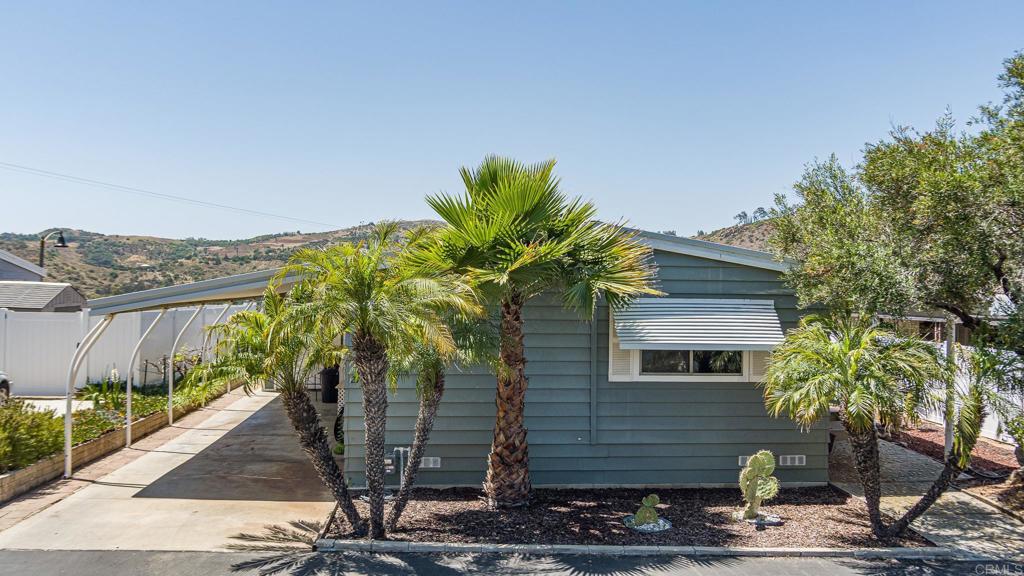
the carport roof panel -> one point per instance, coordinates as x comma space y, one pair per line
225, 289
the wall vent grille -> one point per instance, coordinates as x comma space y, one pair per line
793, 460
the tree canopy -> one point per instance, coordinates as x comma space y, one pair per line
927, 220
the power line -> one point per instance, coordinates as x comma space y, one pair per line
143, 192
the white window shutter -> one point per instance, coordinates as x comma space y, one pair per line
758, 363
619, 360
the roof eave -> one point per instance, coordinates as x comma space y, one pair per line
713, 251
22, 263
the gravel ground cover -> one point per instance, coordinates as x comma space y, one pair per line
814, 517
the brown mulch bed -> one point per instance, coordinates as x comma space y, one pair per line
814, 517
989, 456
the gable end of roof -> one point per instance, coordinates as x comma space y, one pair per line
713, 251
22, 263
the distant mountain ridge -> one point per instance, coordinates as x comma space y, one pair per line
754, 235
103, 265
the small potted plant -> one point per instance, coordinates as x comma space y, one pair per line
646, 518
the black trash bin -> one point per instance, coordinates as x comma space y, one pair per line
329, 379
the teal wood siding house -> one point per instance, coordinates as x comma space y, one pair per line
663, 394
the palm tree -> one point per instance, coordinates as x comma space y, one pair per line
360, 290
475, 342
275, 345
515, 235
872, 375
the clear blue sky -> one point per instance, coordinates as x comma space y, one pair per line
671, 115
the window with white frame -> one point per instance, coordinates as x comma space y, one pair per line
692, 339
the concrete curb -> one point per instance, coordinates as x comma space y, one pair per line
391, 546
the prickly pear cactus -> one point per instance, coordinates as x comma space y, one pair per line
757, 482
647, 514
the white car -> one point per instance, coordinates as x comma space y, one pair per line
5, 387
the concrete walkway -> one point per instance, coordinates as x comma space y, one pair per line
237, 470
957, 520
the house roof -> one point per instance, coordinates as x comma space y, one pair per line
22, 263
713, 251
247, 286
29, 295
698, 324
250, 285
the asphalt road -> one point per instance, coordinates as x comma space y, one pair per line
301, 563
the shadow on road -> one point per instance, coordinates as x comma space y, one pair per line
287, 549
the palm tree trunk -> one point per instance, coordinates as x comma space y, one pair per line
865, 454
508, 465
429, 402
371, 361
313, 439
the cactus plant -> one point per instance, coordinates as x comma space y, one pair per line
757, 482
647, 514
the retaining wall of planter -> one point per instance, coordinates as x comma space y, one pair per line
18, 482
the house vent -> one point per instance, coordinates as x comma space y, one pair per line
793, 460
788, 460
430, 462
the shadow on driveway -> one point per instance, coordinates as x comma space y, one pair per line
259, 459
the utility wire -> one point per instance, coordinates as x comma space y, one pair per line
143, 192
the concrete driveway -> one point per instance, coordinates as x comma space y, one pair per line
237, 471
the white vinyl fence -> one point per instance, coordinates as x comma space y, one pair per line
36, 347
992, 426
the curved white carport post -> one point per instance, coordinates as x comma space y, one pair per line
170, 364
246, 308
76, 362
131, 377
207, 338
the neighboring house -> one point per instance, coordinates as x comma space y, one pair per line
664, 393
15, 268
23, 296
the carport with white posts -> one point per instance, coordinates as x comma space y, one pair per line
228, 291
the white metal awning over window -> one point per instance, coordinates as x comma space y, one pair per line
698, 324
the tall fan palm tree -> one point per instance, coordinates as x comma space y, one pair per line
515, 235
872, 375
360, 290
275, 345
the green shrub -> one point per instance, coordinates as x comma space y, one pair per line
88, 425
27, 434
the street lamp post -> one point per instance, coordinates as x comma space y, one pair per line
42, 244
